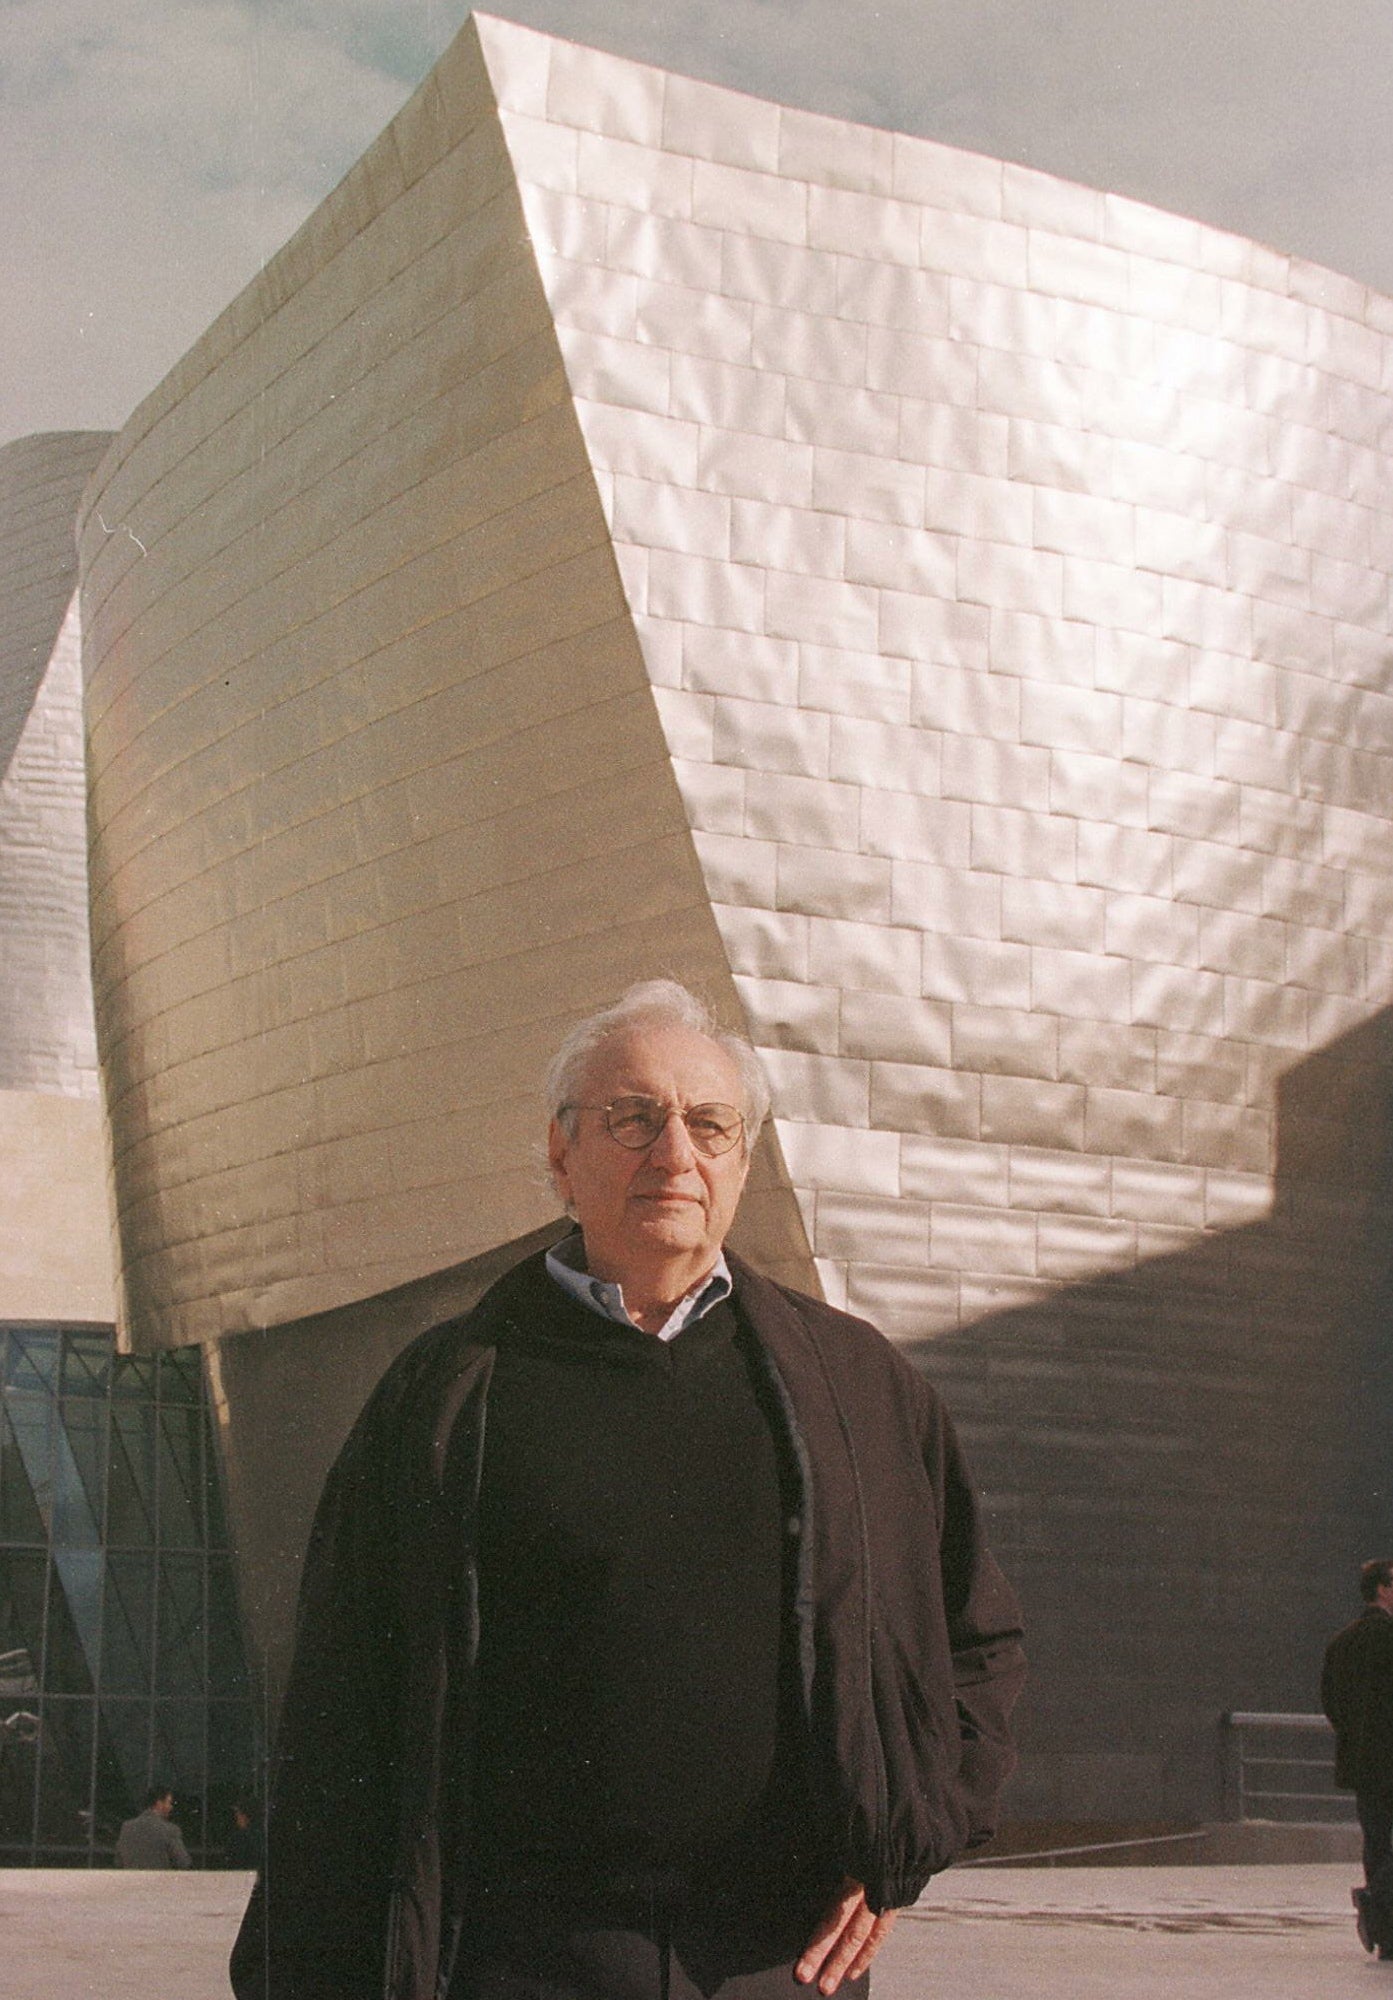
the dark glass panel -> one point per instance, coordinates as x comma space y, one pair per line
87, 1364
227, 1668
126, 1729
19, 1667
20, 1519
74, 1615
128, 1629
214, 1514
180, 1740
19, 1774
130, 1514
134, 1375
31, 1360
112, 1799
145, 1609
31, 1435
22, 1578
65, 1773
181, 1477
181, 1376
79, 1474
179, 1649
233, 1768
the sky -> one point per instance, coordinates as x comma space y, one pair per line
154, 153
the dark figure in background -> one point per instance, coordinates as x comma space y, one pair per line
1356, 1692
151, 1839
649, 1645
242, 1848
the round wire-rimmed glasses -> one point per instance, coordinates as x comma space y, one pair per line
639, 1122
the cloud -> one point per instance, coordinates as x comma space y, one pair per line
152, 156
1263, 118
222, 92
155, 152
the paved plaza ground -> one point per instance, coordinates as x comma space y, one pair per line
1214, 1933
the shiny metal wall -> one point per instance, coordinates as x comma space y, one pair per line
46, 1034
1012, 565
380, 797
55, 1251
1010, 568
943, 612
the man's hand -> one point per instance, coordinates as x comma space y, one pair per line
845, 1942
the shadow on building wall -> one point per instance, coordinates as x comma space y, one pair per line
286, 1398
1184, 1463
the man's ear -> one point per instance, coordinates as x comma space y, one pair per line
558, 1146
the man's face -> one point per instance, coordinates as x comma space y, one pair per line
668, 1205
165, 1806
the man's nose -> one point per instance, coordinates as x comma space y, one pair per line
673, 1146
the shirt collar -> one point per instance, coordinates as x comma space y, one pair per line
566, 1266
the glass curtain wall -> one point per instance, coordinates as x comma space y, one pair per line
121, 1662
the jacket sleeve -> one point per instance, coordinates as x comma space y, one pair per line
984, 1634
316, 1924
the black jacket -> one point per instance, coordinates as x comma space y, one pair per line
1356, 1692
909, 1646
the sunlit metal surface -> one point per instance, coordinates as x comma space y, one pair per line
46, 1035
55, 1251
636, 528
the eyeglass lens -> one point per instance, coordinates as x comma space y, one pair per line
636, 1122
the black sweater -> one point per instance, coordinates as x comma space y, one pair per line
908, 1644
637, 1720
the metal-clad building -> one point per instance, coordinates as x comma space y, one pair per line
944, 613
120, 1649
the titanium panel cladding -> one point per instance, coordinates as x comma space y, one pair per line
969, 596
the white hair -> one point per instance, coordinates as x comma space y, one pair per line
652, 1003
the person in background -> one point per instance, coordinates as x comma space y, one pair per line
1356, 1692
242, 1849
151, 1839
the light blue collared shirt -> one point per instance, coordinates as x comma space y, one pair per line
566, 1264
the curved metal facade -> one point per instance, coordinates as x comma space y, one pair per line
55, 1254
46, 1034
944, 612
1010, 569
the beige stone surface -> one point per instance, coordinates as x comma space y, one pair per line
1163, 1933
105, 1934
55, 1246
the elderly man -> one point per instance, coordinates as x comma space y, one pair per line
649, 1647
